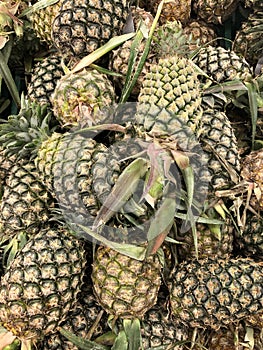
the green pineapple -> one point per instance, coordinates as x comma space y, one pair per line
44, 77
82, 27
213, 11
41, 285
170, 98
79, 98
216, 292
125, 287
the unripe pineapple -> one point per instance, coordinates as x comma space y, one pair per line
82, 27
125, 287
44, 78
213, 11
216, 292
79, 98
170, 98
42, 284
252, 171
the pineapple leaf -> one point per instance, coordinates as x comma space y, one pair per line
132, 328
160, 225
131, 250
81, 343
121, 342
95, 55
121, 191
128, 86
253, 107
37, 6
7, 75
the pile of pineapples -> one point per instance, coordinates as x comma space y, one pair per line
131, 175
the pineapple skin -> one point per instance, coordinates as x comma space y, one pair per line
79, 98
44, 77
83, 26
123, 286
216, 292
41, 285
172, 10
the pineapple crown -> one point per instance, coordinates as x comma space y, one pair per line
170, 39
23, 133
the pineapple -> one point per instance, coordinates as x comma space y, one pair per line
252, 166
222, 65
41, 285
25, 205
248, 39
5, 164
82, 27
213, 11
41, 21
212, 240
172, 10
76, 323
79, 98
250, 241
201, 32
216, 292
44, 78
62, 160
170, 98
125, 287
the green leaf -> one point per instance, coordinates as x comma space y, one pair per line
121, 191
121, 342
81, 343
8, 78
131, 250
253, 107
132, 328
160, 225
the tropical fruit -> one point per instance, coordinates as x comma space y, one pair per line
41, 285
212, 11
216, 292
171, 10
125, 287
81, 27
45, 75
79, 98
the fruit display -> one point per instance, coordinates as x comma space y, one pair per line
131, 173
